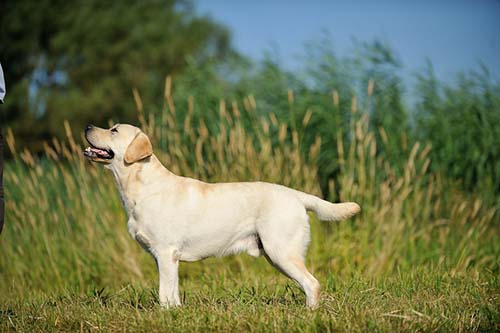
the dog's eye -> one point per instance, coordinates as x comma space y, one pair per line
114, 130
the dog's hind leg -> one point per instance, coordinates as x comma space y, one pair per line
294, 268
285, 244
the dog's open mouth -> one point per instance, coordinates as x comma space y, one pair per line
98, 153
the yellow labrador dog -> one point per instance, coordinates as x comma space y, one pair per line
183, 219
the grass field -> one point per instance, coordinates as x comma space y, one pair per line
233, 298
421, 256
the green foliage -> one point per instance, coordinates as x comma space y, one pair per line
462, 122
80, 61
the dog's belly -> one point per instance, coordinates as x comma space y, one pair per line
220, 242
250, 245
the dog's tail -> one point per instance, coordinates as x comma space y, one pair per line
328, 211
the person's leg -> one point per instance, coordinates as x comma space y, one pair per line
1, 181
2, 96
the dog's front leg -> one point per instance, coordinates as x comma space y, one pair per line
168, 269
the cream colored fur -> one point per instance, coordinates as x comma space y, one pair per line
182, 219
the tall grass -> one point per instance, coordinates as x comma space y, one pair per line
66, 230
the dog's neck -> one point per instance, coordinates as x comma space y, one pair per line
131, 179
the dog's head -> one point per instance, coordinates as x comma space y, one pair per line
121, 143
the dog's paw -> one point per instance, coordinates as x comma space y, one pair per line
167, 305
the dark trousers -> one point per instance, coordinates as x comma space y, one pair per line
1, 181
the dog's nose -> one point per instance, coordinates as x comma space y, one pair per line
88, 128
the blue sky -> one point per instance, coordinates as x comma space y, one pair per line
454, 35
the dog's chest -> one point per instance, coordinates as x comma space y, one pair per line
140, 234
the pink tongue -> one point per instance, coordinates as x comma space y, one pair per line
99, 151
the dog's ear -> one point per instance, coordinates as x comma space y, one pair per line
138, 149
